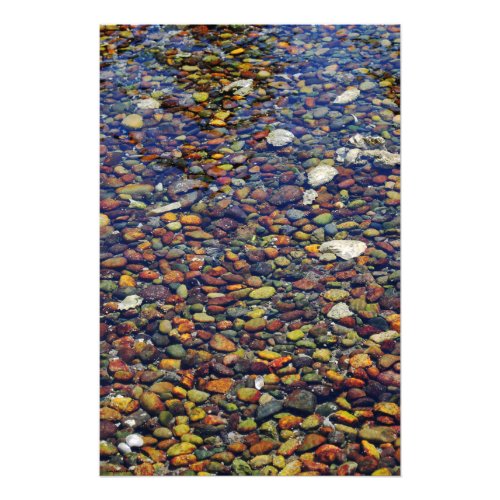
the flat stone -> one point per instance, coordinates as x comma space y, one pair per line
346, 249
133, 121
321, 174
269, 409
338, 311
280, 137
301, 400
221, 385
264, 292
378, 434
348, 96
222, 344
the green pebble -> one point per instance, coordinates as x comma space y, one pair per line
264, 292
197, 396
295, 335
176, 351
323, 219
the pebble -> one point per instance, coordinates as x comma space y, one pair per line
280, 137
134, 440
133, 121
346, 249
321, 174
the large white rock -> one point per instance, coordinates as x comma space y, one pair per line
243, 87
346, 249
348, 96
280, 137
339, 311
366, 141
130, 302
321, 174
259, 382
383, 336
383, 158
149, 103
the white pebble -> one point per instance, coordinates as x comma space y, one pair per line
259, 382
124, 448
134, 440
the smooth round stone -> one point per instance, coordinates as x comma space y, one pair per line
200, 96
330, 229
294, 214
134, 440
133, 121
176, 351
295, 335
323, 219
165, 326
124, 448
197, 396
367, 85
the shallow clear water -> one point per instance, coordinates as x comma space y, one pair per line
214, 265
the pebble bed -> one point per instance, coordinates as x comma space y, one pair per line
250, 252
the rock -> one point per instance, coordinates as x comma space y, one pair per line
243, 87
378, 434
130, 302
255, 324
241, 467
336, 295
366, 142
383, 336
338, 311
323, 219
176, 351
151, 402
221, 385
280, 137
136, 189
348, 96
285, 195
301, 400
360, 361
248, 395
292, 468
148, 103
321, 174
124, 448
259, 382
153, 293
180, 449
222, 344
269, 409
262, 293
134, 440
382, 158
133, 121
203, 318
197, 396
346, 249
165, 208
200, 96
309, 196
293, 214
